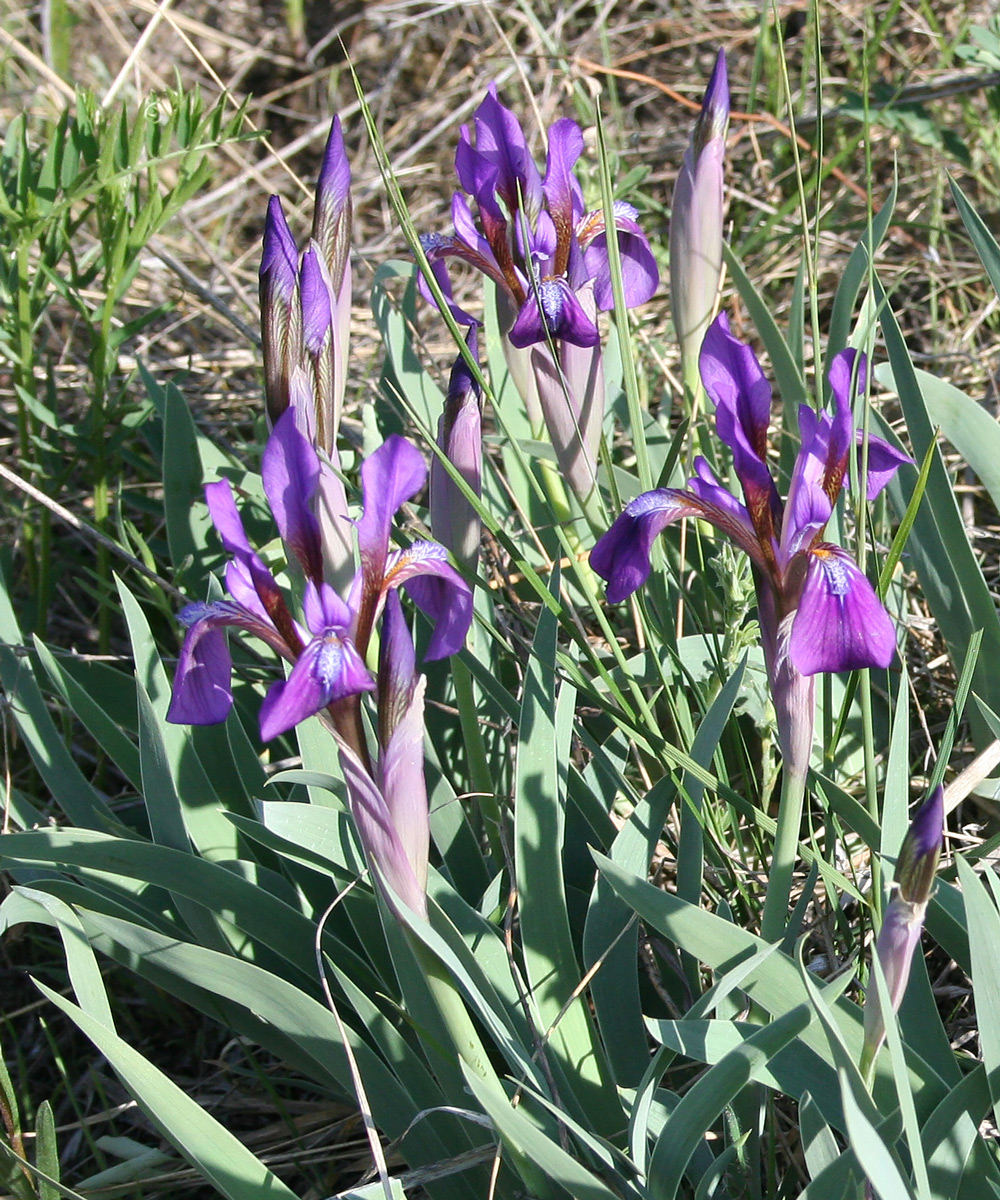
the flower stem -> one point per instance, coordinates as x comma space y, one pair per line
786, 844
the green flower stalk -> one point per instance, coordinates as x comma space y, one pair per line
904, 918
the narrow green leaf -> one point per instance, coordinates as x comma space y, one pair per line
703, 1103
206, 1144
984, 939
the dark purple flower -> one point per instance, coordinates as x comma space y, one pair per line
533, 237
327, 652
818, 611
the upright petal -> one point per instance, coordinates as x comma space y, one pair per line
742, 397
392, 475
290, 471
500, 138
840, 624
562, 190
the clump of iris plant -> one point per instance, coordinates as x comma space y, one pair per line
548, 256
327, 646
816, 609
904, 917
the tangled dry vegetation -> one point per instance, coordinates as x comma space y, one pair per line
424, 67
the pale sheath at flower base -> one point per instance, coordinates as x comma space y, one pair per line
904, 917
696, 223
817, 610
549, 259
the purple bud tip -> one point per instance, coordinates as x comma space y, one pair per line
316, 309
334, 181
462, 382
280, 255
921, 850
714, 119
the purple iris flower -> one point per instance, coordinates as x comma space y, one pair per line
327, 648
818, 612
533, 237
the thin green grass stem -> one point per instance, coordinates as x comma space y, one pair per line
783, 859
871, 789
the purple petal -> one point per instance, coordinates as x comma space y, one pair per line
921, 849
331, 229
640, 274
440, 270
202, 691
742, 397
500, 139
884, 460
737, 387
809, 505
555, 307
622, 555
279, 256
840, 624
314, 291
561, 188
437, 590
290, 471
392, 475
226, 519
847, 364
328, 669
324, 609
713, 120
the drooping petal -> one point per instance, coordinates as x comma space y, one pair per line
202, 691
622, 555
437, 590
552, 305
884, 460
640, 274
431, 243
840, 624
290, 471
328, 669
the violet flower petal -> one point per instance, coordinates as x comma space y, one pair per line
840, 623
328, 669
884, 460
317, 311
500, 139
555, 307
290, 472
622, 555
437, 590
392, 475
226, 519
